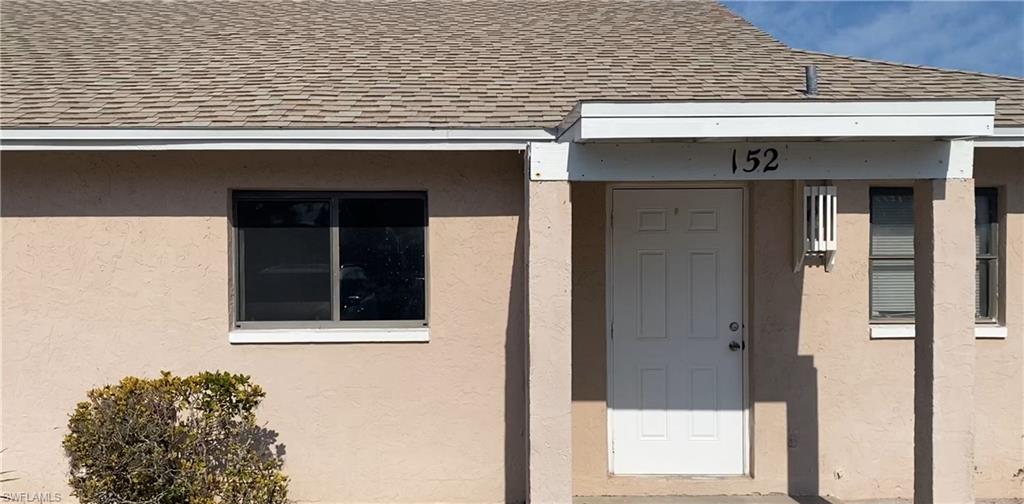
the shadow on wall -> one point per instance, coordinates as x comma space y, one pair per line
163, 183
781, 374
777, 372
515, 379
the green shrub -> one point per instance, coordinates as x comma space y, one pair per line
174, 440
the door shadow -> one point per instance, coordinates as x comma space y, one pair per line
777, 372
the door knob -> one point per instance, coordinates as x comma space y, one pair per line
735, 345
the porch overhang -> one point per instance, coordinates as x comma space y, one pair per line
765, 140
866, 119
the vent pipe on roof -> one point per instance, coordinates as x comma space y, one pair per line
811, 78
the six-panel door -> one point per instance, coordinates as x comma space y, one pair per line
677, 394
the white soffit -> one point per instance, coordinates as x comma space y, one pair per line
596, 121
1003, 137
269, 139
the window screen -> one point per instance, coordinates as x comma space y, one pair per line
331, 259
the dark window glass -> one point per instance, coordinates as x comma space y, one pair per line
983, 289
284, 260
986, 245
382, 258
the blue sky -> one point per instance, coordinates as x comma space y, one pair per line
981, 36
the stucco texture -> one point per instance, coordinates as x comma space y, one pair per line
549, 314
832, 410
117, 264
944, 343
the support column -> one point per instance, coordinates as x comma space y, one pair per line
944, 344
549, 326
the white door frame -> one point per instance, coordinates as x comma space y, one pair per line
744, 289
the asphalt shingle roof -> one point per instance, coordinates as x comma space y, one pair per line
387, 63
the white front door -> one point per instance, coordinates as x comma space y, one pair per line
677, 335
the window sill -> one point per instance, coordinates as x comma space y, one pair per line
906, 331
348, 335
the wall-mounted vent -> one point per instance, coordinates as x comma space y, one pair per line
819, 224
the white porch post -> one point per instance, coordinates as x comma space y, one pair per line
944, 344
549, 326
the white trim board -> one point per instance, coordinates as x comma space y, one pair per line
907, 331
596, 121
269, 139
269, 336
777, 108
690, 161
1002, 137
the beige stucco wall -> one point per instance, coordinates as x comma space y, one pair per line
117, 264
999, 369
832, 409
549, 314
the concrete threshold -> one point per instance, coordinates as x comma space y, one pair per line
755, 499
706, 499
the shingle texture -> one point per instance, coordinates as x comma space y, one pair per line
442, 63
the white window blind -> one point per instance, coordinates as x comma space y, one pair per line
892, 254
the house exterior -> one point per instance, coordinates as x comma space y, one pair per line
488, 251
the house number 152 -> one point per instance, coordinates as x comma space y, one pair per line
765, 161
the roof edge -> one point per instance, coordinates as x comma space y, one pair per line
270, 139
606, 119
908, 65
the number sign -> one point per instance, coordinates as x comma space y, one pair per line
758, 160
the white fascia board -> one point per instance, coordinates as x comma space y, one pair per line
791, 119
1002, 137
821, 108
269, 139
787, 127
